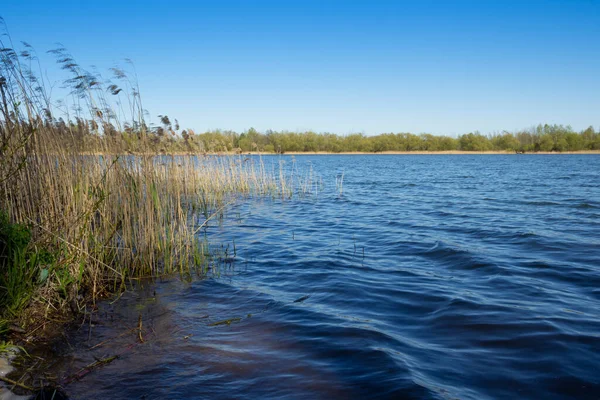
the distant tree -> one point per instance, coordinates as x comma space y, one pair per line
506, 141
545, 143
474, 142
575, 142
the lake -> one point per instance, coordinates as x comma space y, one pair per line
419, 277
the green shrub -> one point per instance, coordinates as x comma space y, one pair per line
19, 266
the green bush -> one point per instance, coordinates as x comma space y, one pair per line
19, 266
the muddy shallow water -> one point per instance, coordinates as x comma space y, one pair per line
442, 277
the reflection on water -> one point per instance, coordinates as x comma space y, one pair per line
442, 277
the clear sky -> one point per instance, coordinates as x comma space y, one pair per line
442, 67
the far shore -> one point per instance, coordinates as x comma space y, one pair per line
434, 152
325, 153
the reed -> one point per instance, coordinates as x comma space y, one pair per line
81, 214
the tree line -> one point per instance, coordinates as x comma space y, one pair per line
168, 137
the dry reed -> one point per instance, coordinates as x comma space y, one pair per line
95, 214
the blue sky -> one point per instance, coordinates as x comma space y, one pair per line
442, 67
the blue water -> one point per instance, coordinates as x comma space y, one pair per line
428, 276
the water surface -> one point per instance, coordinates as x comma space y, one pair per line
427, 276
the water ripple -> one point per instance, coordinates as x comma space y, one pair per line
430, 277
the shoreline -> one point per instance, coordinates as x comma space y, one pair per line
349, 153
448, 152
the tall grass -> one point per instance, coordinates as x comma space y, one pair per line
78, 223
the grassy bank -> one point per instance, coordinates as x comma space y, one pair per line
75, 226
